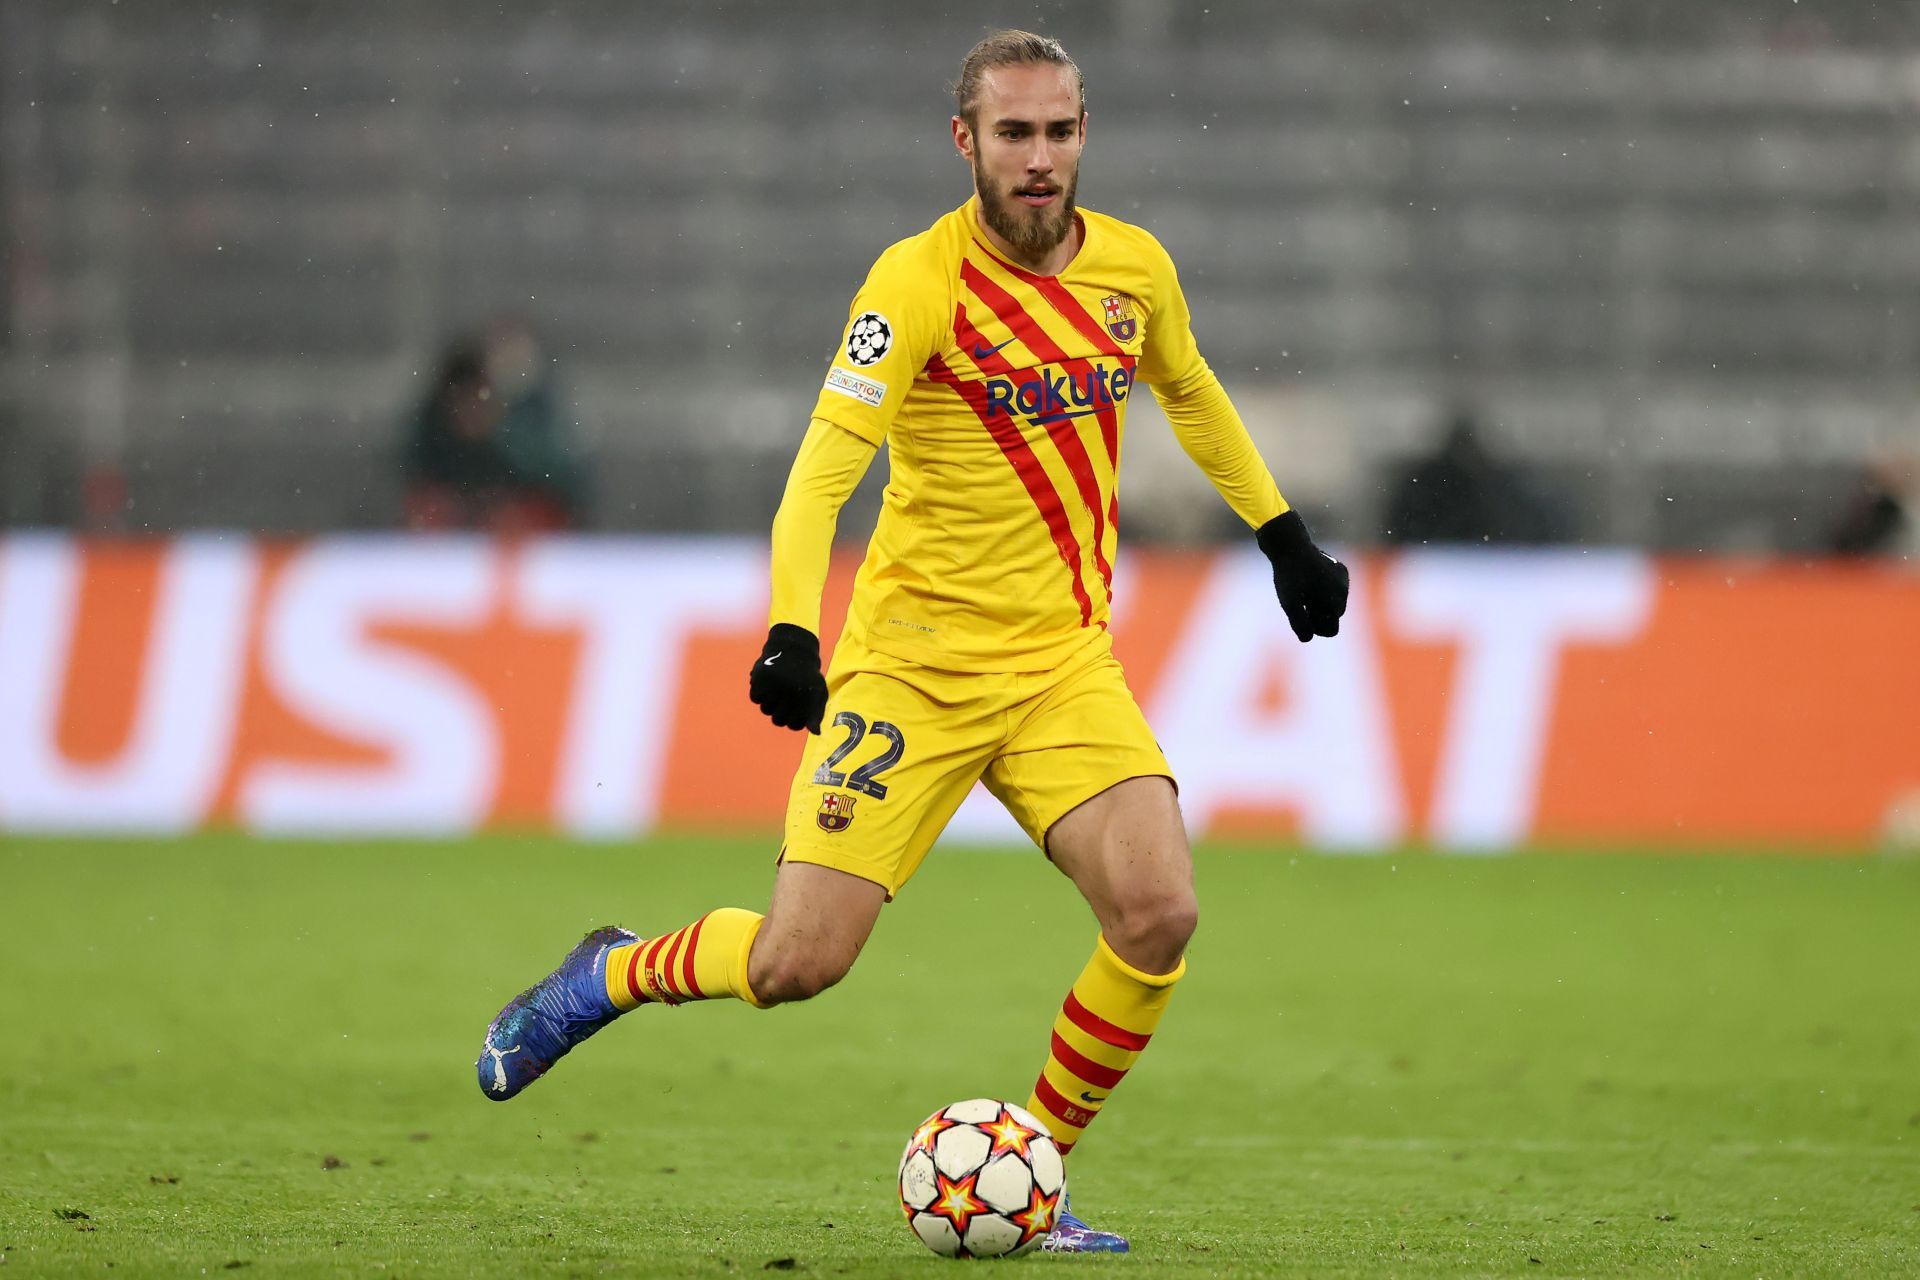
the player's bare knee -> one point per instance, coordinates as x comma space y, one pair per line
1179, 921
1170, 927
789, 977
1151, 932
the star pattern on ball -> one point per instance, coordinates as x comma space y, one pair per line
956, 1202
1009, 1134
1038, 1217
935, 1125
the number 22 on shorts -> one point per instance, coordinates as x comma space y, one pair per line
865, 779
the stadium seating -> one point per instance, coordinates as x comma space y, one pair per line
1663, 236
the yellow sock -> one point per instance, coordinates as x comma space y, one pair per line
1106, 1021
706, 960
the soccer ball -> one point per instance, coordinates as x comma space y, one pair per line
981, 1179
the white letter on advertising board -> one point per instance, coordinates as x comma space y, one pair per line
634, 603
1510, 613
1325, 753
167, 776
441, 742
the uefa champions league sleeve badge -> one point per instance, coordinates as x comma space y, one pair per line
869, 338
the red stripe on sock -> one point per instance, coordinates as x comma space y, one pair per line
686, 965
634, 988
1100, 1029
1058, 1107
666, 966
1094, 1073
653, 975
1050, 1098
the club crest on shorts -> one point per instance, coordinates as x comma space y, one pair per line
836, 811
1120, 321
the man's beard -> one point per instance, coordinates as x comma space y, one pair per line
1032, 232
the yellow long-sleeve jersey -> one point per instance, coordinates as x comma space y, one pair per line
1002, 396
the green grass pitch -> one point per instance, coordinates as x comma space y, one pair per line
227, 1054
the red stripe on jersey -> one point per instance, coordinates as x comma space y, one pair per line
686, 965
1046, 348
1061, 299
1031, 473
1100, 1029
1110, 436
1011, 313
1112, 433
1061, 431
1080, 467
1095, 1074
1077, 1116
1065, 439
1076, 315
1109, 419
968, 335
1063, 302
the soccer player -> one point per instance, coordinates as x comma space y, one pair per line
995, 353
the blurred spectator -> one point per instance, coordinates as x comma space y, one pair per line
1878, 519
489, 448
1462, 493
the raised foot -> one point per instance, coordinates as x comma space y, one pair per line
542, 1024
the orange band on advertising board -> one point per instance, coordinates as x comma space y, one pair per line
1475, 700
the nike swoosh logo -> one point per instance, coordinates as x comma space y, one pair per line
775, 658
981, 352
1087, 1097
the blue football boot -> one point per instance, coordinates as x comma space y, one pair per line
541, 1025
1071, 1235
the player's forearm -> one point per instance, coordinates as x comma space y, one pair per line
825, 472
1208, 427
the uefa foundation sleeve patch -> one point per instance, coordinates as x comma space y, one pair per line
866, 390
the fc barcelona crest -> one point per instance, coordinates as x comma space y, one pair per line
836, 811
1120, 321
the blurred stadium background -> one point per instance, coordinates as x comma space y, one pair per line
1670, 252
1666, 254
1666, 257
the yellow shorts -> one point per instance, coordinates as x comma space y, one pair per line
903, 744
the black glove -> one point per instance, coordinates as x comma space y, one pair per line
786, 681
1311, 584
